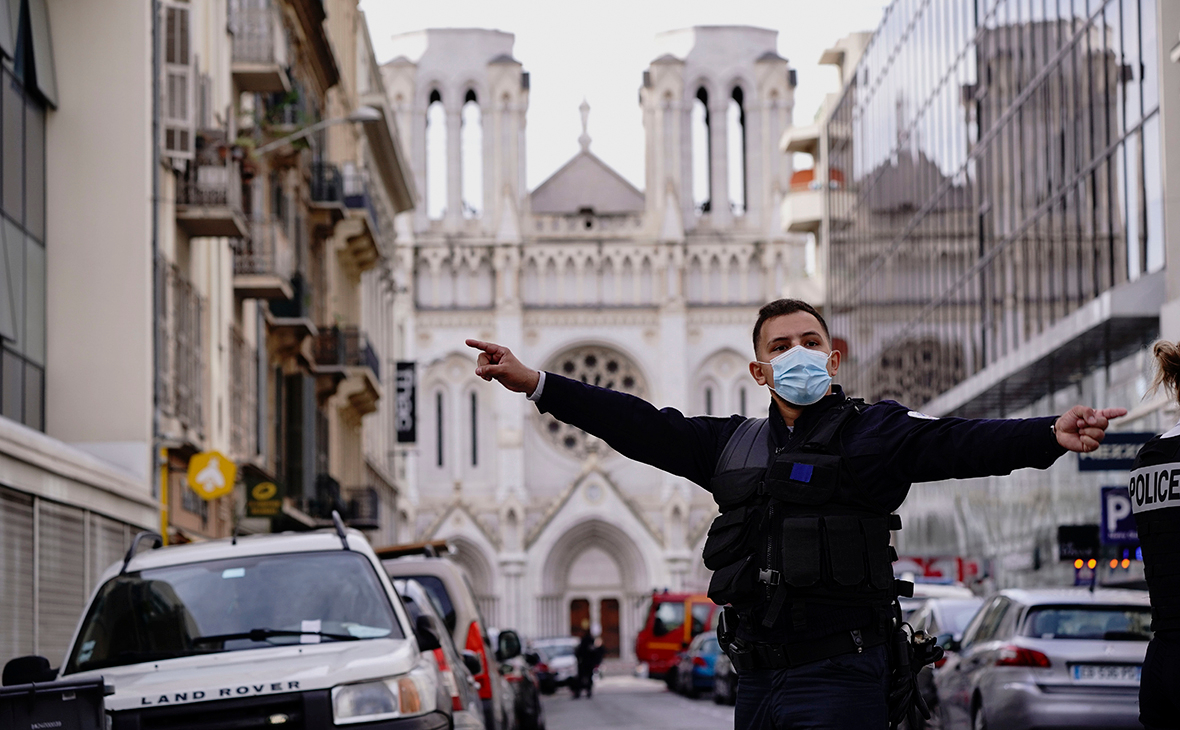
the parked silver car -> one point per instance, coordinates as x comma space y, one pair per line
1064, 657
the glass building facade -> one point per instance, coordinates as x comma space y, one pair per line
995, 167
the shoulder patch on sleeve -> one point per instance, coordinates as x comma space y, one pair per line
921, 416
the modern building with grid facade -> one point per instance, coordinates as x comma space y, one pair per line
989, 197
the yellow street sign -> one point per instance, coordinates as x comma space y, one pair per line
264, 491
211, 475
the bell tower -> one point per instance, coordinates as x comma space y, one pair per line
461, 99
715, 103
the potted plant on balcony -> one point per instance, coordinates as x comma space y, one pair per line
243, 151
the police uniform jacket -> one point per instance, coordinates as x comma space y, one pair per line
888, 446
1155, 500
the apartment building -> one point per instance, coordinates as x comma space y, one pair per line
195, 237
988, 195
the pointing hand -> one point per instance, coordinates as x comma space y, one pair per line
1082, 428
497, 362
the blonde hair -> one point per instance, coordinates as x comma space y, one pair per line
1167, 367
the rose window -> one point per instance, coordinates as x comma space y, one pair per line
595, 366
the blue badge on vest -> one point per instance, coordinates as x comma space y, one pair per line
801, 472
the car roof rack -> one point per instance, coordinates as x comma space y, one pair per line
432, 549
157, 541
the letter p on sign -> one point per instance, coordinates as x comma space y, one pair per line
1118, 525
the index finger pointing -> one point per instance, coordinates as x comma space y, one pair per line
489, 347
1113, 412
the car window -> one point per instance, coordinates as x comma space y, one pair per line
231, 605
669, 617
1110, 623
957, 614
438, 589
710, 645
986, 622
700, 615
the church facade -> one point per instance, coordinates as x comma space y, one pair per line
650, 291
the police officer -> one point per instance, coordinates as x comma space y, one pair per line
1155, 501
801, 549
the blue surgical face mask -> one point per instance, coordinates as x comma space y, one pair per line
801, 375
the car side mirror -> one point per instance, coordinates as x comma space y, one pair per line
427, 637
948, 642
507, 645
471, 661
28, 669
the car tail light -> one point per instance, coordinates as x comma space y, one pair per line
448, 679
543, 667
938, 664
475, 644
1018, 656
698, 661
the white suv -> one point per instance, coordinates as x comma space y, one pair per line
302, 630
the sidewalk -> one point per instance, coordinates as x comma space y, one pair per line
617, 668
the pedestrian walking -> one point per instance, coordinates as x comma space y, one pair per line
1155, 502
589, 654
800, 554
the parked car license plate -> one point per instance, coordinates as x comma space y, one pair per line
1108, 673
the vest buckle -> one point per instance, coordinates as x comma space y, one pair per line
769, 577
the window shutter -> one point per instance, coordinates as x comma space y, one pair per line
61, 583
178, 105
16, 574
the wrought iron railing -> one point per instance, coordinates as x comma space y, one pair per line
258, 35
266, 251
346, 346
179, 347
327, 184
213, 177
243, 361
357, 196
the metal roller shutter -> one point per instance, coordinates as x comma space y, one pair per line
16, 575
108, 544
61, 583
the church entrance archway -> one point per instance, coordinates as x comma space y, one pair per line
595, 578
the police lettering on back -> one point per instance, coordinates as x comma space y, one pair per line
1155, 487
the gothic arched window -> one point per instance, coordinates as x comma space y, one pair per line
735, 126
702, 146
472, 156
436, 157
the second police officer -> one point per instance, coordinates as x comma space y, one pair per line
1155, 502
807, 495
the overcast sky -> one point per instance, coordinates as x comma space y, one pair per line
598, 51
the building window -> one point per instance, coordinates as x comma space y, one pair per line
474, 430
472, 140
702, 146
436, 157
22, 301
735, 131
438, 426
742, 401
708, 401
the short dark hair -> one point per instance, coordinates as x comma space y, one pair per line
780, 307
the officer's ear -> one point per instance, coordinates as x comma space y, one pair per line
834, 362
757, 372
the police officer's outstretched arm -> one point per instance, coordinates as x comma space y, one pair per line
497, 362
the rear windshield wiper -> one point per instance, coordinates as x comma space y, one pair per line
264, 634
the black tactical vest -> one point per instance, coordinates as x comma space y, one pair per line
1155, 501
788, 533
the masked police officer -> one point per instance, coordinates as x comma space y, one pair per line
801, 549
1155, 501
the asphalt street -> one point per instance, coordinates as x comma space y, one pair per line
630, 703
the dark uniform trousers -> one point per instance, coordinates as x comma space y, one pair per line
845, 692
1158, 705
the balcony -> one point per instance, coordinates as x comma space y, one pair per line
802, 211
347, 365
260, 53
327, 194
264, 263
361, 227
209, 193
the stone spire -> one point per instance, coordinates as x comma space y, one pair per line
584, 140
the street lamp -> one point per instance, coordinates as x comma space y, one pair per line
359, 115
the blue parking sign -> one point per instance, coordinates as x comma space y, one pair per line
1118, 524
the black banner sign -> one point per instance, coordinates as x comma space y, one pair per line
1077, 541
1116, 452
406, 403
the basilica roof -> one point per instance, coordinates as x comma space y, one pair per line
586, 182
